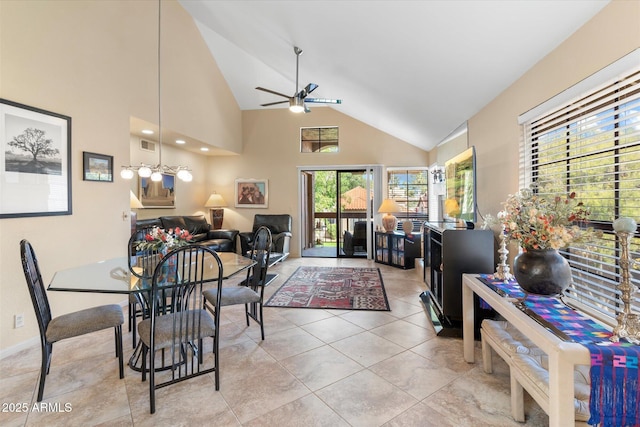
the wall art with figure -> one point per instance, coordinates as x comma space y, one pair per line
252, 193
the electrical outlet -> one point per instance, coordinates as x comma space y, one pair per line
19, 321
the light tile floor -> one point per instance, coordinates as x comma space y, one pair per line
315, 368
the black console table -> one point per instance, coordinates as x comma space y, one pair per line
449, 253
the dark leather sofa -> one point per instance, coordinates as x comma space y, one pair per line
280, 227
200, 229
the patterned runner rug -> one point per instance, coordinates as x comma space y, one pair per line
345, 288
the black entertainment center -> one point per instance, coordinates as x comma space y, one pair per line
450, 251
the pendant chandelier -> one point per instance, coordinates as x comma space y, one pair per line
155, 171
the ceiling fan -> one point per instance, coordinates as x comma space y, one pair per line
297, 102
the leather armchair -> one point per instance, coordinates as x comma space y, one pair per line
356, 242
280, 227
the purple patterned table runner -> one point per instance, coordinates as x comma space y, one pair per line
615, 395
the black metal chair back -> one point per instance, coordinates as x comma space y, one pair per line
145, 260
178, 326
260, 252
257, 275
36, 288
142, 263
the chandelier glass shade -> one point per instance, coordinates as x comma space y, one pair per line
155, 171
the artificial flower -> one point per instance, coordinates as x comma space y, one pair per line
158, 239
540, 223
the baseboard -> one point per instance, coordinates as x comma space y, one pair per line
19, 347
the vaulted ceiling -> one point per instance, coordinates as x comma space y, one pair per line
416, 70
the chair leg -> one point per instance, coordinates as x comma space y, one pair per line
246, 312
44, 369
144, 362
131, 315
261, 323
119, 349
216, 359
133, 307
152, 382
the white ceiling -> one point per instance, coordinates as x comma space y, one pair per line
414, 69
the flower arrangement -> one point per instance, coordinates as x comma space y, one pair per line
540, 223
158, 239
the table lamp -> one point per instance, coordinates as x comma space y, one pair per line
389, 222
134, 203
216, 204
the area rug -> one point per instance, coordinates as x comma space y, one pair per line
344, 288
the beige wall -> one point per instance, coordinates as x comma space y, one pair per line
96, 62
494, 131
272, 150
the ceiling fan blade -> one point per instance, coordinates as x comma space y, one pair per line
273, 92
309, 88
273, 103
323, 101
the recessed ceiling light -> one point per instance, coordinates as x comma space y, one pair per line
180, 141
204, 149
147, 131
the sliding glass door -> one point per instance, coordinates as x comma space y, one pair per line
352, 221
336, 212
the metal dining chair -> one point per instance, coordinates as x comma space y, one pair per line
141, 265
250, 292
68, 325
179, 327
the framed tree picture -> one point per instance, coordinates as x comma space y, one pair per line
35, 161
252, 193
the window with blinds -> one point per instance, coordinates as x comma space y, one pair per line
409, 188
591, 146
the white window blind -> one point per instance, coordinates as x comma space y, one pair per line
591, 146
410, 189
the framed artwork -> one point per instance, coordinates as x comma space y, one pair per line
158, 194
35, 161
97, 167
252, 193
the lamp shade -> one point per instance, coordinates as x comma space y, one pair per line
134, 203
215, 201
389, 222
389, 206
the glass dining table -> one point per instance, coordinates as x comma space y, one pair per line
112, 276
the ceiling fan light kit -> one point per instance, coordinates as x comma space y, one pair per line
297, 102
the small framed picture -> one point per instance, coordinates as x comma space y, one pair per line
97, 167
252, 193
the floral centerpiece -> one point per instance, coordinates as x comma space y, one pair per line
540, 223
158, 239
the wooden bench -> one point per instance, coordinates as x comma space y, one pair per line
529, 369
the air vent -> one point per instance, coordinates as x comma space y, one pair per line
147, 145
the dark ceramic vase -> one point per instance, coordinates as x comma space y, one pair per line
542, 272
